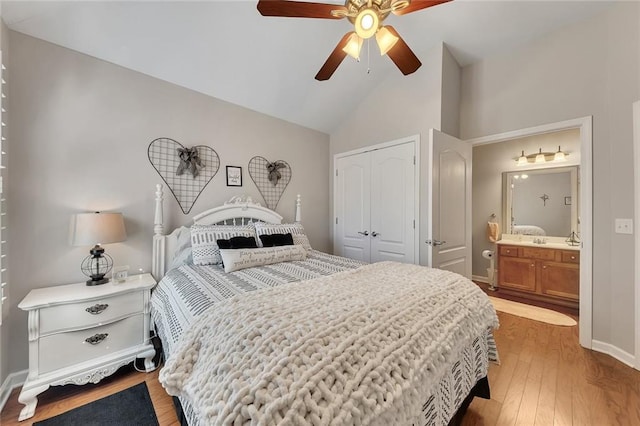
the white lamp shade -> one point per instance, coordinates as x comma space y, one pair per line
353, 46
88, 229
386, 40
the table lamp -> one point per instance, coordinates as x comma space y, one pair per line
96, 228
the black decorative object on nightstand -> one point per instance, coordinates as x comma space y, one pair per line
97, 265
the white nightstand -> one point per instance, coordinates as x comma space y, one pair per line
80, 334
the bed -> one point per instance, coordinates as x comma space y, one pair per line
304, 341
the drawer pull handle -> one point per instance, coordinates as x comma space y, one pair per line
97, 309
96, 338
573, 258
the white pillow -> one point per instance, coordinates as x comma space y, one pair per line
295, 229
204, 240
236, 259
180, 242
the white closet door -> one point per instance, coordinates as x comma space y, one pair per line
393, 204
352, 206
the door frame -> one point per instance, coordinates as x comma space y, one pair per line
585, 125
636, 214
416, 153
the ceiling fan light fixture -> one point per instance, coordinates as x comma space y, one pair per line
353, 46
367, 23
386, 40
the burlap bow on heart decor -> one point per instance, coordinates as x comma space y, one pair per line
271, 178
189, 160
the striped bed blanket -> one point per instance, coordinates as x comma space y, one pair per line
363, 346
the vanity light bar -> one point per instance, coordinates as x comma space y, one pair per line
542, 157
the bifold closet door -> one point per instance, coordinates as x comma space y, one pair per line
392, 204
352, 206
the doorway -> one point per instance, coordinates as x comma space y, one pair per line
583, 129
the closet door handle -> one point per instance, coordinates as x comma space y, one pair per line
365, 233
374, 234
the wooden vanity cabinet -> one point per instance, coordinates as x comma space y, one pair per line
543, 274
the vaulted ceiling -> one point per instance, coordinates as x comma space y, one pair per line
226, 49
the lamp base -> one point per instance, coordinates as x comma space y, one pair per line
98, 281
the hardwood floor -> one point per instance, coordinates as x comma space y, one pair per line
545, 378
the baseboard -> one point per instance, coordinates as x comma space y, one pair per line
480, 279
12, 381
614, 351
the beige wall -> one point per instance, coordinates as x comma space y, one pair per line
590, 68
451, 79
405, 106
489, 162
79, 143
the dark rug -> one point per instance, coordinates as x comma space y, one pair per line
130, 407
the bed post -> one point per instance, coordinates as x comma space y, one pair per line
298, 209
157, 259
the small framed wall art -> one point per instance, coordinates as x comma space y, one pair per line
234, 176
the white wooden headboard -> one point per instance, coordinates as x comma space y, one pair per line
236, 211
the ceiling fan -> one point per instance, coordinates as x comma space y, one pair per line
367, 17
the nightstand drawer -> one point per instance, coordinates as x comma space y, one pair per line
70, 348
88, 314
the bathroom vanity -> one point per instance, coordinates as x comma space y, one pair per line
548, 272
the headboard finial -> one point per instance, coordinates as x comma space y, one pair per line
298, 208
158, 226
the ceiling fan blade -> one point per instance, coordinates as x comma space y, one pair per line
419, 5
401, 55
299, 9
334, 60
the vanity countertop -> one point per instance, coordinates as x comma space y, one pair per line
549, 244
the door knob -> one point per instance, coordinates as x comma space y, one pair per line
374, 234
365, 233
435, 242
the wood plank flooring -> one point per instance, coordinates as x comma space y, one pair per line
545, 378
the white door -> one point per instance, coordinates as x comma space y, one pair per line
449, 227
352, 207
393, 204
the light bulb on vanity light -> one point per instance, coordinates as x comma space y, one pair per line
559, 156
540, 157
522, 160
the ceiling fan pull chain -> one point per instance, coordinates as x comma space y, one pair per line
368, 57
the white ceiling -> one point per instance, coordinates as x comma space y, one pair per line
226, 49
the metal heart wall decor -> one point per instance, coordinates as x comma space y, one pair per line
271, 178
185, 175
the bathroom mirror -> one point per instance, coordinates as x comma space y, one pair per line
541, 202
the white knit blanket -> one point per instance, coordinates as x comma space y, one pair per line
364, 346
